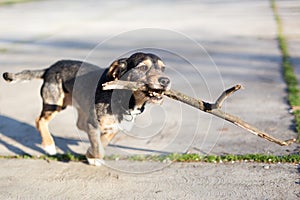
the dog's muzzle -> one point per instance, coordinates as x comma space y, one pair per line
156, 92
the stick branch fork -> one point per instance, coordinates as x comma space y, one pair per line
211, 108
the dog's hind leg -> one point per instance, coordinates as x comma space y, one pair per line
53, 99
42, 125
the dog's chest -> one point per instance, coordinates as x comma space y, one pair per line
111, 123
127, 122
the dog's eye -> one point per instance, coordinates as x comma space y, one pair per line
144, 67
163, 68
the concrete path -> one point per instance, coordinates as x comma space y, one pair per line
38, 179
237, 45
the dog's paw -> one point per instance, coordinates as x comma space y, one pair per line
95, 161
92, 160
50, 149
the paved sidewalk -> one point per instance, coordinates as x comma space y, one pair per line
37, 179
240, 38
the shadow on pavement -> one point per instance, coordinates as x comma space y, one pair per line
15, 133
18, 132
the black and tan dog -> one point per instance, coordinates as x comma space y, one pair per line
79, 84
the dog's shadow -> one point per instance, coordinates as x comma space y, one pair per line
21, 138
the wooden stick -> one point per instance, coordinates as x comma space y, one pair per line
211, 108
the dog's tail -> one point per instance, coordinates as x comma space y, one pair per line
25, 75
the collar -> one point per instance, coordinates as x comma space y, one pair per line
131, 114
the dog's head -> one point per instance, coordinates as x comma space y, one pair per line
146, 68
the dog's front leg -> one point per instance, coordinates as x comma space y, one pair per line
108, 127
96, 152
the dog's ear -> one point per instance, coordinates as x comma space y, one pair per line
117, 69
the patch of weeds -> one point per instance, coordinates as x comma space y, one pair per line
113, 157
175, 157
288, 70
10, 2
70, 157
58, 157
188, 158
137, 158
3, 50
295, 158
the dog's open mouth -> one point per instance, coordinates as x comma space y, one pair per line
155, 95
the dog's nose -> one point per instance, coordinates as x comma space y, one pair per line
164, 81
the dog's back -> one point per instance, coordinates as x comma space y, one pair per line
65, 70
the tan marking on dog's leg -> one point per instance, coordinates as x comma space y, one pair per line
42, 125
106, 138
109, 128
53, 101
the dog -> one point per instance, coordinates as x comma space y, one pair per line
100, 112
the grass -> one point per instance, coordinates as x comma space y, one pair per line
10, 2
174, 157
288, 70
3, 50
295, 158
58, 157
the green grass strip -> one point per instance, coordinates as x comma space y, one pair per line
10, 2
288, 70
174, 157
